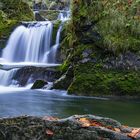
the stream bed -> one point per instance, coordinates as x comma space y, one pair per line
17, 102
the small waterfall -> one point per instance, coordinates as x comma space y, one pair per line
64, 16
29, 44
55, 47
6, 76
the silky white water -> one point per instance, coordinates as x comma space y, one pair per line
30, 45
6, 77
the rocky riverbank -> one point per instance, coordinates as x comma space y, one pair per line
101, 45
78, 127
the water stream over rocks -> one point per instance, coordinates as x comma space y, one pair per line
30, 44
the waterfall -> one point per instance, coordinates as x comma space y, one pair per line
6, 77
33, 43
64, 16
51, 55
29, 44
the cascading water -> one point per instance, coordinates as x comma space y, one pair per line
51, 55
6, 77
64, 16
31, 44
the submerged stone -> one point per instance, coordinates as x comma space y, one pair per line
39, 84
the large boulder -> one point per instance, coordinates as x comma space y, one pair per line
78, 127
65, 80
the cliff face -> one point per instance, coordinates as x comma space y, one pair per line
102, 43
11, 13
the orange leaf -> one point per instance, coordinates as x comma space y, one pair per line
135, 132
117, 129
49, 132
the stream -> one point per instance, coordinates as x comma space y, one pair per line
17, 102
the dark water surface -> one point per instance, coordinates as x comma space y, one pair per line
57, 103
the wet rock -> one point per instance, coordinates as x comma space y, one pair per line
53, 6
85, 60
28, 75
49, 14
86, 53
124, 61
65, 80
39, 84
59, 5
38, 17
39, 5
77, 127
3, 42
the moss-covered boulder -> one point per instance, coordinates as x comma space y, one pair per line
49, 14
103, 39
11, 13
77, 127
65, 80
39, 84
92, 80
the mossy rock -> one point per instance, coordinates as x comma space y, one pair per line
56, 25
92, 80
11, 13
109, 29
49, 14
112, 25
65, 80
39, 84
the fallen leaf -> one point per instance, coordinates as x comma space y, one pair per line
135, 132
117, 130
49, 132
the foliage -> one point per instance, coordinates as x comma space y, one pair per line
11, 13
117, 23
108, 28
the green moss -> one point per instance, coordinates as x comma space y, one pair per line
6, 27
63, 68
93, 80
117, 23
11, 8
11, 13
55, 29
106, 28
38, 84
49, 14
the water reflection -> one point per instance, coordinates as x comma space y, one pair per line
58, 104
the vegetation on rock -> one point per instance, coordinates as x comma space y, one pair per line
103, 38
38, 84
78, 127
9, 17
